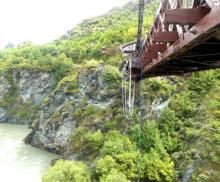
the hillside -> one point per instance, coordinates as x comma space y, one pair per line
68, 91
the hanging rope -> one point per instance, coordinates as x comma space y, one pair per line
128, 89
129, 84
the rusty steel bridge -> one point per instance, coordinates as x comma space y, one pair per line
181, 40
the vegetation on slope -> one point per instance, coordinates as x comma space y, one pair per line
183, 142
99, 38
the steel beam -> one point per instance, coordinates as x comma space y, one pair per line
185, 16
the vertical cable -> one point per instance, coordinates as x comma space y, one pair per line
130, 90
140, 23
140, 116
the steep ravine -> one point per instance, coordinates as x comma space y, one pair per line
88, 100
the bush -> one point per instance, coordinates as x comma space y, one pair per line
95, 140
156, 169
70, 83
105, 165
169, 126
183, 106
115, 176
91, 63
67, 171
155, 88
112, 75
168, 121
127, 163
201, 83
90, 110
116, 143
87, 144
151, 137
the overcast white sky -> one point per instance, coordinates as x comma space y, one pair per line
41, 21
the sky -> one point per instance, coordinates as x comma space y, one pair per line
41, 21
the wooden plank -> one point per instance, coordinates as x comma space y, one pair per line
185, 16
156, 48
149, 55
165, 37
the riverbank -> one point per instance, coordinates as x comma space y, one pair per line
18, 161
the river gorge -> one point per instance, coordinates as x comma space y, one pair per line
18, 161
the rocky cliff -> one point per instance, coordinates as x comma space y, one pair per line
74, 103
88, 99
22, 94
72, 116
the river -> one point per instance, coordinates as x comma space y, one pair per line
20, 162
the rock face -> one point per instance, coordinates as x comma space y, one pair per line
22, 94
4, 87
34, 86
87, 99
58, 117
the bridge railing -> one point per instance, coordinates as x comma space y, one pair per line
129, 48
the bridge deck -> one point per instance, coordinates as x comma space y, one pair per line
182, 40
197, 49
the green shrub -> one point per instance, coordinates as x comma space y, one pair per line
91, 63
105, 165
116, 143
70, 82
127, 163
67, 171
61, 66
151, 137
77, 139
90, 109
201, 83
157, 169
183, 106
115, 176
169, 126
112, 75
95, 140
168, 121
155, 88
86, 143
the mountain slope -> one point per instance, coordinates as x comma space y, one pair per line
80, 114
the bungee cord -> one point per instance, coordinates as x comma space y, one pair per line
129, 84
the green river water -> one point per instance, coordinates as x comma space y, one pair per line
20, 162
